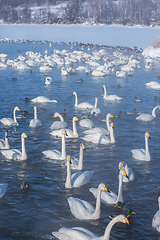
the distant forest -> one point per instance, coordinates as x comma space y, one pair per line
125, 12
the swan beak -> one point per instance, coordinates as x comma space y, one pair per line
65, 133
148, 135
106, 189
112, 125
126, 221
69, 160
54, 116
19, 109
26, 136
119, 168
125, 174
77, 119
112, 116
158, 187
133, 212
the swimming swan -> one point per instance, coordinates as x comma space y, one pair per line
128, 170
99, 138
10, 121
77, 233
142, 154
111, 197
35, 122
48, 80
3, 189
42, 99
77, 179
70, 133
83, 105
55, 154
156, 218
95, 110
16, 154
110, 97
78, 163
58, 124
147, 116
84, 210
4, 143
99, 129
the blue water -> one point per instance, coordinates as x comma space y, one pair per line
42, 209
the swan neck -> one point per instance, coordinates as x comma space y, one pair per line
154, 111
80, 163
96, 213
76, 100
61, 118
63, 147
109, 228
6, 143
148, 157
95, 105
74, 128
112, 135
105, 91
107, 122
120, 194
35, 113
159, 205
24, 155
14, 115
68, 178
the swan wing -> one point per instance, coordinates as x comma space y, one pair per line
53, 154
11, 154
35, 123
86, 123
78, 179
97, 138
2, 144
156, 221
3, 189
59, 125
139, 154
80, 208
106, 197
145, 117
85, 105
97, 130
8, 122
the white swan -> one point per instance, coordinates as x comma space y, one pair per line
42, 99
70, 133
3, 189
110, 97
48, 80
95, 110
121, 74
4, 143
56, 154
147, 116
142, 154
10, 121
83, 105
111, 197
16, 154
128, 170
58, 124
84, 210
156, 218
99, 129
35, 122
99, 138
77, 179
87, 123
79, 233
78, 163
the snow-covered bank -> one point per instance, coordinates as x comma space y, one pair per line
112, 35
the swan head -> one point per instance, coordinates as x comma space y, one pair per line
64, 132
69, 159
122, 218
121, 164
25, 185
147, 135
24, 135
123, 173
110, 115
6, 133
112, 125
17, 109
102, 187
83, 146
74, 93
56, 115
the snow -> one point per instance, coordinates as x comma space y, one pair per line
110, 35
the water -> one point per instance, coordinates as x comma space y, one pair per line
35, 213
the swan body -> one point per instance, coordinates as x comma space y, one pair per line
142, 154
10, 121
121, 74
83, 105
87, 123
77, 179
42, 99
55, 154
16, 154
48, 80
156, 218
59, 124
111, 197
128, 170
99, 138
35, 122
99, 129
79, 233
84, 210
78, 163
153, 85
110, 97
3, 189
64, 72
70, 133
148, 117
4, 143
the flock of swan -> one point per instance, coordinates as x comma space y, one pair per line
81, 209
